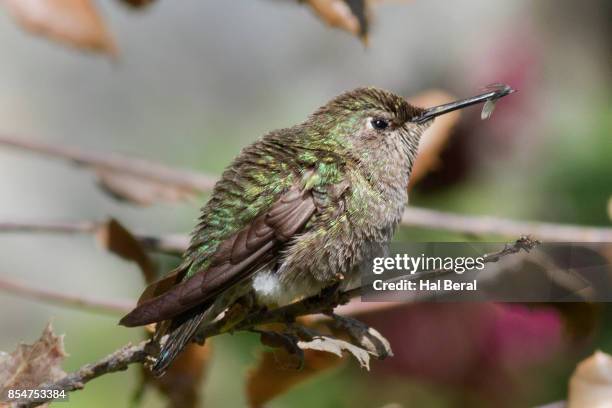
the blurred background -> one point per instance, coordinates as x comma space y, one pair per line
194, 83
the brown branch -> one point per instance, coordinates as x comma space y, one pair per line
487, 225
524, 243
61, 299
356, 307
111, 161
116, 361
413, 216
174, 244
78, 227
322, 303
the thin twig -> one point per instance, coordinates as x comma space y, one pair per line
48, 295
488, 225
413, 216
323, 303
116, 162
43, 226
174, 244
116, 361
524, 243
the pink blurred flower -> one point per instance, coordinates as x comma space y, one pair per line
478, 345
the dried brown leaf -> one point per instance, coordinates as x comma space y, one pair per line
72, 22
139, 190
337, 346
364, 336
591, 383
339, 14
117, 239
33, 364
276, 373
137, 3
349, 15
435, 138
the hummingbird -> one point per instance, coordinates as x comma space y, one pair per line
295, 213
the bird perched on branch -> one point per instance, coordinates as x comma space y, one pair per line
295, 213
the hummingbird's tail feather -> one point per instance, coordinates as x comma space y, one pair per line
180, 334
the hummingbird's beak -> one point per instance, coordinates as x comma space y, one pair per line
495, 92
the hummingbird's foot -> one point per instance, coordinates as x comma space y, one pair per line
152, 349
364, 336
332, 294
230, 318
329, 291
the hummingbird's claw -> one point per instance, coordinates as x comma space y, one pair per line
364, 336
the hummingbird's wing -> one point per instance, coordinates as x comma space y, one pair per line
235, 258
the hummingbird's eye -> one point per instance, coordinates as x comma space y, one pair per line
379, 124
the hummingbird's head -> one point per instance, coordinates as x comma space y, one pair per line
379, 129
367, 119
374, 128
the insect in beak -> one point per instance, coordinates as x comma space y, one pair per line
490, 98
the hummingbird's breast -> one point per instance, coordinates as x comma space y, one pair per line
342, 237
335, 247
